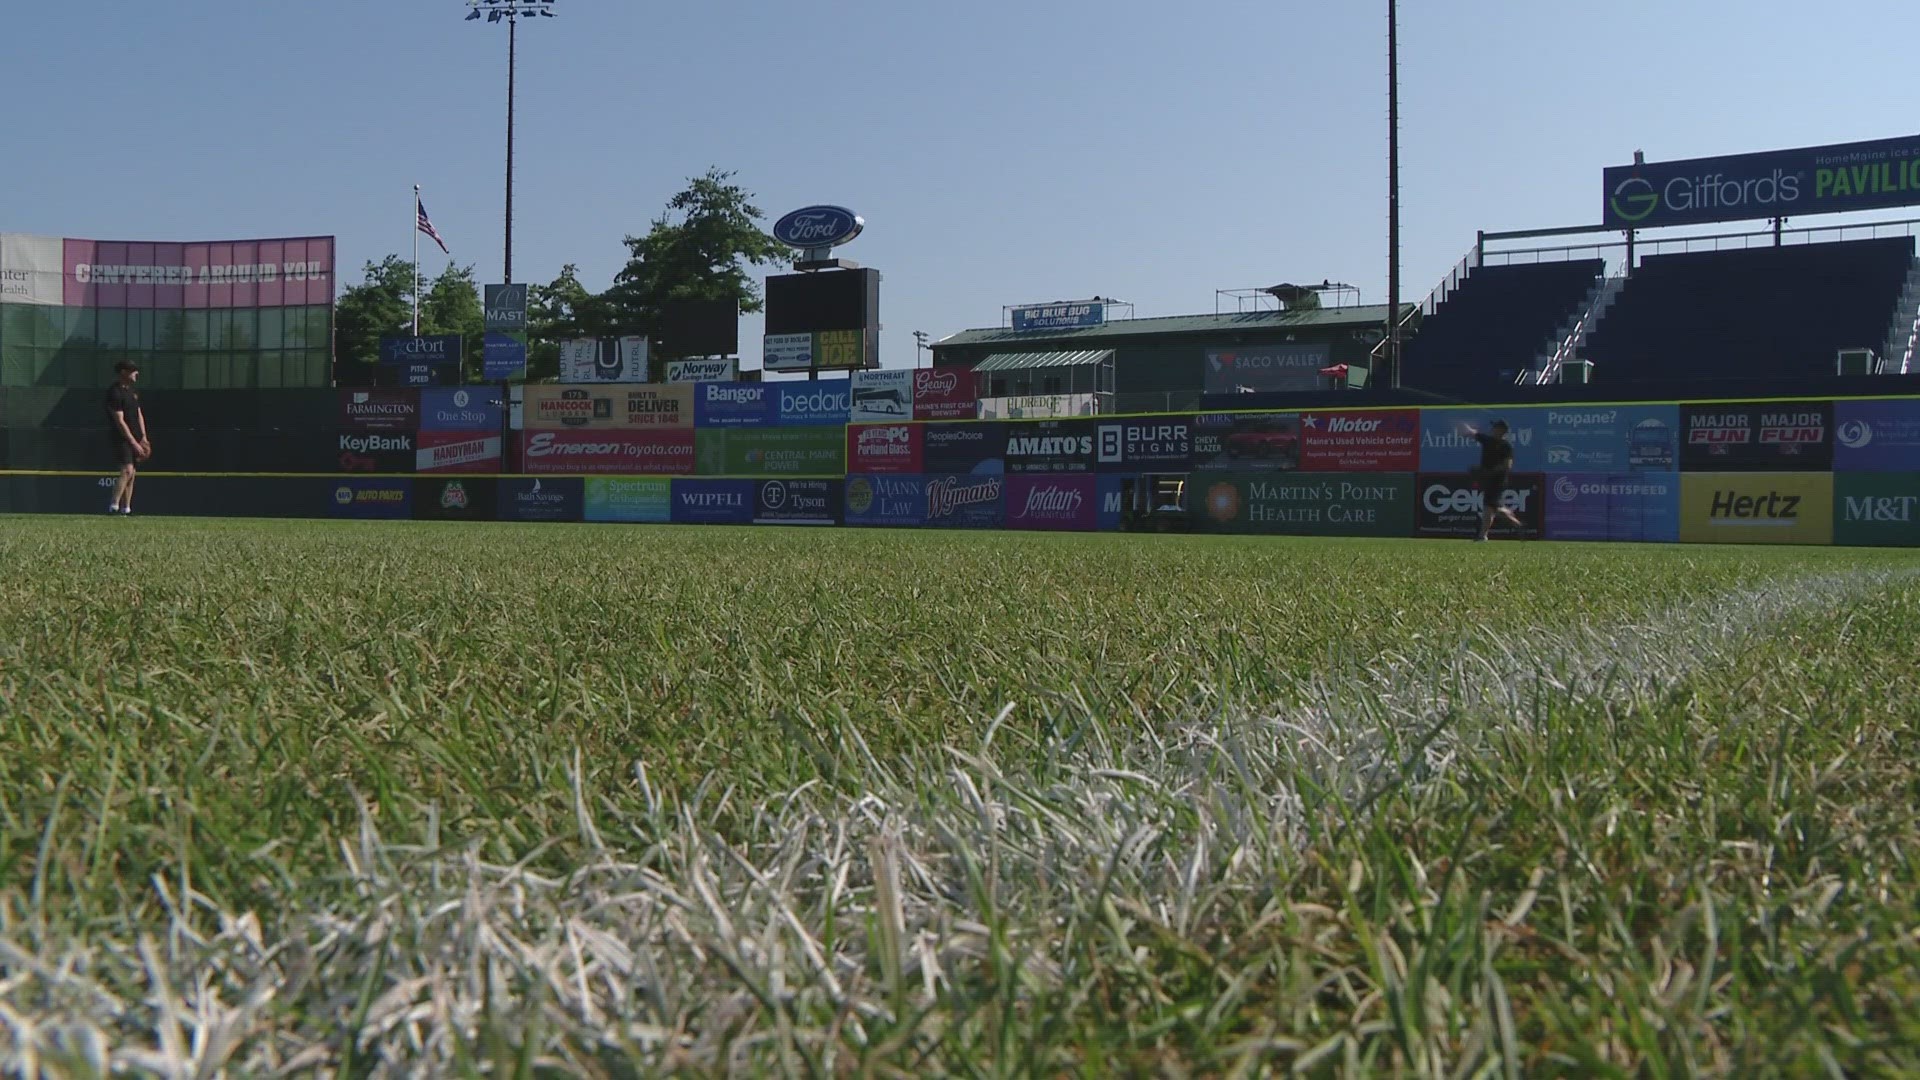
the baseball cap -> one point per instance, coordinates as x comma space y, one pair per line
126, 365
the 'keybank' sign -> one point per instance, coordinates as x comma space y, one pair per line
1813, 180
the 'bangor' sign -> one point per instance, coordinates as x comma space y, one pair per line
1781, 183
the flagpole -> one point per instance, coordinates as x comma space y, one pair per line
416, 261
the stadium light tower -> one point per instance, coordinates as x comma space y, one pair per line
1393, 194
509, 12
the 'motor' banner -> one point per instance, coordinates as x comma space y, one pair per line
1781, 183
1760, 436
1381, 440
1756, 508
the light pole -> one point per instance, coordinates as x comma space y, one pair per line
1393, 193
919, 343
509, 11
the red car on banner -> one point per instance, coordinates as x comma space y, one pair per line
884, 448
945, 393
452, 452
631, 453
1370, 440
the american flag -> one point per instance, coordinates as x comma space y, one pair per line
426, 226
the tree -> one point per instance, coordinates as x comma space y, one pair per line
452, 306
556, 311
702, 248
380, 305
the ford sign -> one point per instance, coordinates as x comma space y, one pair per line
817, 227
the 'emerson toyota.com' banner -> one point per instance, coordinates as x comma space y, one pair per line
1781, 183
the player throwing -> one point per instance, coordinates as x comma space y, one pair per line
1496, 464
127, 432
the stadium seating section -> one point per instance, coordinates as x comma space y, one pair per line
1759, 313
1496, 323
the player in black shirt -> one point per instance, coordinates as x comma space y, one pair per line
126, 433
1496, 463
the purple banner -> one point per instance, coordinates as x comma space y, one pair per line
291, 272
1053, 502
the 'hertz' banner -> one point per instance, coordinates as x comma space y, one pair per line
1756, 508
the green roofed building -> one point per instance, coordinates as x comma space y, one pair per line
1166, 364
239, 314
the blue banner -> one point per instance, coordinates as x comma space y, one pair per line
886, 500
546, 498
502, 357
475, 410
638, 500
1780, 183
1113, 495
372, 499
733, 404
1642, 506
965, 502
798, 502
1059, 316
1445, 447
1876, 436
713, 502
434, 349
811, 403
970, 447
1613, 438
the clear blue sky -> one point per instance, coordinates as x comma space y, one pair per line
1001, 151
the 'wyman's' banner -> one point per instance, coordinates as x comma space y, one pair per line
1781, 183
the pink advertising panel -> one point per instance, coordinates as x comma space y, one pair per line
293, 272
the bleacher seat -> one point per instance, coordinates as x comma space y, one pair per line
1496, 324
1757, 313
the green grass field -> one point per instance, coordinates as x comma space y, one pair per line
404, 799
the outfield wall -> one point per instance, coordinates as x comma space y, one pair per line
1804, 471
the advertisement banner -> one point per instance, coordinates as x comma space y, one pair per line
503, 357
629, 500
1303, 504
699, 371
1382, 440
31, 269
1876, 436
713, 502
1246, 442
977, 448
799, 404
1452, 505
1114, 489
604, 360
1050, 446
436, 349
450, 452
945, 393
1762, 436
374, 453
1446, 447
798, 502
795, 451
380, 410
463, 499
1065, 503
1059, 316
1876, 509
879, 396
1038, 406
1161, 444
425, 375
1643, 507
786, 352
289, 272
542, 498
635, 453
888, 501
667, 407
1613, 438
1266, 368
504, 307
885, 448
464, 411
733, 404
1756, 508
965, 502
1779, 183
567, 408
371, 499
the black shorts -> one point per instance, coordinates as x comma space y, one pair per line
1493, 484
123, 452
